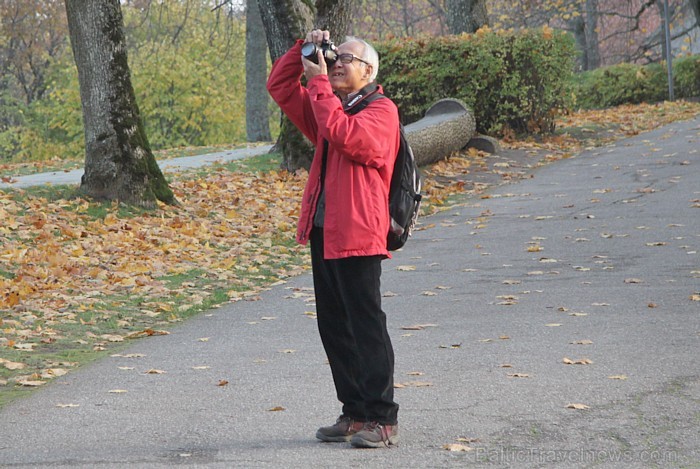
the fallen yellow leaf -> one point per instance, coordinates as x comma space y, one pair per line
581, 361
455, 447
112, 338
53, 373
10, 300
417, 327
146, 333
12, 365
30, 383
413, 384
467, 440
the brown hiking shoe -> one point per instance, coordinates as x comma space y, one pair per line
376, 435
343, 429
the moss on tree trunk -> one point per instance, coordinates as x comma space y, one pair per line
119, 163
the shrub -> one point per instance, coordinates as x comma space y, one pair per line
634, 84
686, 77
511, 80
612, 86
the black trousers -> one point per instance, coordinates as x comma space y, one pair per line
353, 330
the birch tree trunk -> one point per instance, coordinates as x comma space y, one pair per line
119, 164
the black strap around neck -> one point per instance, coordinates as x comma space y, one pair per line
363, 97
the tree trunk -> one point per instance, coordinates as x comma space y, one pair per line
334, 15
447, 127
695, 5
592, 42
465, 16
119, 164
286, 21
257, 114
578, 29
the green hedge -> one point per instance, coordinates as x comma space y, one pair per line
634, 84
513, 81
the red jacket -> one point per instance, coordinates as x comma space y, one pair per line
361, 153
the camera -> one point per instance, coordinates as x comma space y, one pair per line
310, 51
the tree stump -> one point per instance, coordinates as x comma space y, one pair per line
447, 127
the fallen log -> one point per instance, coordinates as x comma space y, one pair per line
447, 127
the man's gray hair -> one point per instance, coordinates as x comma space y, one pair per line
369, 55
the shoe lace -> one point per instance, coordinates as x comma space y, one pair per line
380, 429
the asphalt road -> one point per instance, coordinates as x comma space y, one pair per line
594, 260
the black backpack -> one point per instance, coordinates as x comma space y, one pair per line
404, 192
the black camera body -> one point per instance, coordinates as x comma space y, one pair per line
310, 51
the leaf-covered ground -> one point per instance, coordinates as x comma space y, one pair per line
79, 279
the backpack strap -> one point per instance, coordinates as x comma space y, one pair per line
365, 96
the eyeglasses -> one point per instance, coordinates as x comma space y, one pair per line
348, 58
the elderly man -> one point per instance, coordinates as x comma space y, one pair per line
345, 216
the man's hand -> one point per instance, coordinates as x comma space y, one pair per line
311, 69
